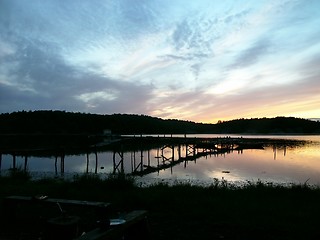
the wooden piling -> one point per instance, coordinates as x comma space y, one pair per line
25, 163
96, 167
119, 164
131, 158
14, 161
114, 161
172, 153
62, 163
87, 168
141, 160
56, 165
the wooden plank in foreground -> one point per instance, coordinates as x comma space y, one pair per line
17, 199
135, 224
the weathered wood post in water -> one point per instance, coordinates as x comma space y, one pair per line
141, 160
179, 151
118, 167
56, 165
25, 162
14, 161
96, 155
172, 159
87, 169
140, 164
0, 161
172, 153
62, 163
132, 159
158, 159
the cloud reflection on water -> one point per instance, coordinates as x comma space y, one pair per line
286, 165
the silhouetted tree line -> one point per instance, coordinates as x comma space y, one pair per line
278, 125
61, 122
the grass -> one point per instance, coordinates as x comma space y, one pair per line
256, 210
19, 174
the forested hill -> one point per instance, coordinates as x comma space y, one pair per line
278, 125
60, 122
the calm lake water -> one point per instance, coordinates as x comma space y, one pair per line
290, 164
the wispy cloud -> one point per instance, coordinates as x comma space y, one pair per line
195, 60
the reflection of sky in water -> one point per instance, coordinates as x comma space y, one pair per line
291, 164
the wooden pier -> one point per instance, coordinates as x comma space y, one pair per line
181, 149
192, 153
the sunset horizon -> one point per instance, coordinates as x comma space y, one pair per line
220, 120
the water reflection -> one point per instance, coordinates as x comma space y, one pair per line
276, 163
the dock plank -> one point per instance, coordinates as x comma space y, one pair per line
134, 219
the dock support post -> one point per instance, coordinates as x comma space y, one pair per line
14, 161
25, 163
172, 153
62, 164
119, 164
87, 167
131, 158
56, 165
141, 160
96, 167
134, 160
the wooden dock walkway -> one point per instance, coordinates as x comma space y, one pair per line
196, 147
197, 151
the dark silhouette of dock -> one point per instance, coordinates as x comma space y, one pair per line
195, 148
171, 151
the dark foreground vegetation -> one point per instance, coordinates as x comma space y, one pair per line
60, 122
221, 211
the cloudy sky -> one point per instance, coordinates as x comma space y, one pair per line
201, 60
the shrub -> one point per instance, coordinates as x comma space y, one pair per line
19, 174
120, 180
87, 179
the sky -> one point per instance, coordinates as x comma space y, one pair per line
203, 61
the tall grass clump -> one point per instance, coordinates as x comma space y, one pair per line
120, 181
113, 181
19, 174
87, 179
